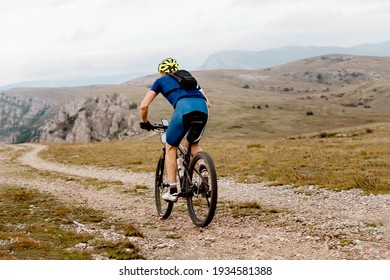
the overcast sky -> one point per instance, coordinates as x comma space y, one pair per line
51, 39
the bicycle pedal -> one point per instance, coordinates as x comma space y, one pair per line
183, 194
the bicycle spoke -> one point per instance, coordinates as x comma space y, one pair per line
202, 203
164, 208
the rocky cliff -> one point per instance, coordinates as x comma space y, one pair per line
20, 117
101, 118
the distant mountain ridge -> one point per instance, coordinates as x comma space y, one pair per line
273, 57
235, 59
98, 80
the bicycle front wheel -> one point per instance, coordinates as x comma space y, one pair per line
202, 201
164, 208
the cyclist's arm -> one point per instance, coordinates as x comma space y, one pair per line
207, 100
143, 107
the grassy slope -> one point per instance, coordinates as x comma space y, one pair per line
36, 226
254, 112
350, 158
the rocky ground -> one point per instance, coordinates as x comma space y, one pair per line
302, 223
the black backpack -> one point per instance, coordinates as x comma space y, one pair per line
185, 79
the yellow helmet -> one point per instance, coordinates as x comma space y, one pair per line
168, 65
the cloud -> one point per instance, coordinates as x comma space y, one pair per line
53, 38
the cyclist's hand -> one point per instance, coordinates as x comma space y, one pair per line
146, 125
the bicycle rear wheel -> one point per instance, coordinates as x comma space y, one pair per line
202, 201
164, 208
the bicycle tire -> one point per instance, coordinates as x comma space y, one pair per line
164, 208
202, 201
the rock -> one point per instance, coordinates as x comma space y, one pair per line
20, 118
81, 246
102, 118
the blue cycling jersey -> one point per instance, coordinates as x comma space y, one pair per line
170, 88
184, 102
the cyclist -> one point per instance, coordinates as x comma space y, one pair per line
188, 105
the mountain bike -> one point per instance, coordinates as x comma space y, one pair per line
200, 191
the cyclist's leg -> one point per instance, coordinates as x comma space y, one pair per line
175, 134
170, 163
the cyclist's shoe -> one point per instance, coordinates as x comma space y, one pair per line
204, 172
170, 197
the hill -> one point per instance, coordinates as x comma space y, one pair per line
236, 59
270, 103
306, 96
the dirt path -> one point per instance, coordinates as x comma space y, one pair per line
298, 223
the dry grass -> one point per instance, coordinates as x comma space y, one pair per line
361, 161
37, 226
253, 210
338, 160
134, 156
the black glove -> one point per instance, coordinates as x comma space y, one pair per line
146, 125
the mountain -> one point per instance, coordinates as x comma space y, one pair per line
89, 119
338, 91
76, 82
278, 56
235, 59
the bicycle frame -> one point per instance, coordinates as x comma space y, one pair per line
186, 155
182, 152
